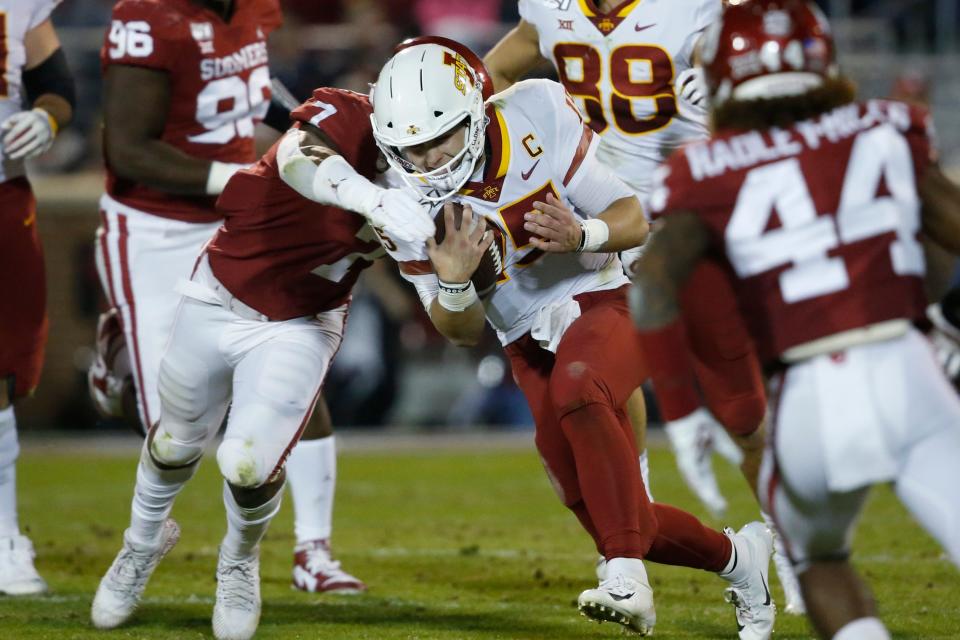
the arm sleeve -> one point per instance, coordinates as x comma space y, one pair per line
344, 116
574, 144
143, 34
41, 11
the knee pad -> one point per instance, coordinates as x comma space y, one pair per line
242, 464
184, 386
9, 444
576, 384
173, 451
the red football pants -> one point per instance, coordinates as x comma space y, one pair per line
708, 345
585, 440
23, 305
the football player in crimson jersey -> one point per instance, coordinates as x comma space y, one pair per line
630, 64
33, 72
526, 163
197, 71
816, 202
257, 326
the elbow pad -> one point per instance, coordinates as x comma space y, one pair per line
51, 76
333, 181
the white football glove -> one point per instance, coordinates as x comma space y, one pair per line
26, 134
691, 87
401, 216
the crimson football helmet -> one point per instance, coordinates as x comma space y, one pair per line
767, 49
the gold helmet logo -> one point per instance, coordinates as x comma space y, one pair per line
462, 75
413, 130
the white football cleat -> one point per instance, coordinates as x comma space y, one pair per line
18, 576
691, 439
315, 571
749, 593
109, 372
237, 611
626, 600
122, 587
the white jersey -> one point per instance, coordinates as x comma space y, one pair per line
621, 68
17, 17
536, 144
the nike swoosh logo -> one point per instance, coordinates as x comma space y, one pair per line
637, 26
619, 598
527, 174
764, 582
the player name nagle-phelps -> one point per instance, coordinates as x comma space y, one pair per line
708, 160
251, 56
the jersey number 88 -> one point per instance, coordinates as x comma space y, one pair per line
657, 85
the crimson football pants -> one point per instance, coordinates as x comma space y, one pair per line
584, 437
707, 350
23, 305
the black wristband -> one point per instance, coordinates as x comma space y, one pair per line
50, 76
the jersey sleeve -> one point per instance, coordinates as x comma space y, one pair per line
673, 188
143, 34
572, 141
344, 116
414, 266
271, 17
707, 12
41, 11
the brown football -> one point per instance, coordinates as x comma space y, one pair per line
490, 269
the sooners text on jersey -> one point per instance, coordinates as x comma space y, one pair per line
621, 67
818, 221
284, 255
219, 85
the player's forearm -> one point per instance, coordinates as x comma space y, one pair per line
516, 54
462, 328
159, 165
941, 209
628, 228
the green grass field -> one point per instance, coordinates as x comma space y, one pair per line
454, 545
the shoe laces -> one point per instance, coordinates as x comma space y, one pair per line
237, 585
129, 572
740, 601
319, 561
618, 584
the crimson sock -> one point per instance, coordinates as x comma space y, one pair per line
683, 541
609, 475
667, 354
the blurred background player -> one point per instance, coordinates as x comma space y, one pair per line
36, 100
523, 160
817, 203
258, 324
198, 73
631, 65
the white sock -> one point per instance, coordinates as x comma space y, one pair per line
153, 497
9, 449
863, 629
645, 473
738, 566
312, 476
245, 527
630, 567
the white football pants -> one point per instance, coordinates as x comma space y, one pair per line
271, 371
873, 413
140, 258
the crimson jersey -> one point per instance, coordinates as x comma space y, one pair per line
219, 85
282, 254
819, 222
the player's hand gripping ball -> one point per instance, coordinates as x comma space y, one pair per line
490, 268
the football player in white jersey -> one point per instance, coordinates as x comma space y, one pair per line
33, 72
631, 67
526, 164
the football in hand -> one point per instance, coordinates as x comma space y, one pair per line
491, 264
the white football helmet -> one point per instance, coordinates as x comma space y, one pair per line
429, 87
